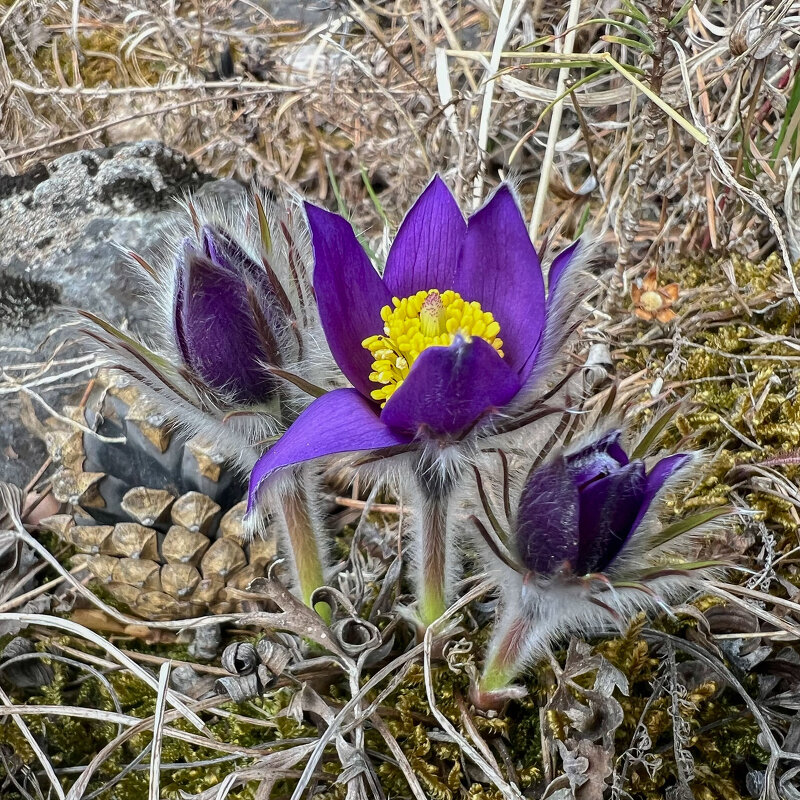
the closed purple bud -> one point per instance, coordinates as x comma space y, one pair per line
578, 511
222, 322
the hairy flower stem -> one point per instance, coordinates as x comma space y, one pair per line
305, 546
433, 549
507, 655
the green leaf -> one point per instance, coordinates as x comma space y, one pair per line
301, 383
642, 47
654, 431
689, 524
586, 79
263, 226
372, 196
682, 566
568, 62
626, 26
335, 186
632, 11
681, 13
626, 73
788, 120
138, 347
583, 220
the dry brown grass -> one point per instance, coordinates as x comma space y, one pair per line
389, 92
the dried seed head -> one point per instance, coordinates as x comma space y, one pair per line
147, 506
130, 489
750, 34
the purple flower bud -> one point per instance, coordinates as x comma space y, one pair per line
577, 511
227, 322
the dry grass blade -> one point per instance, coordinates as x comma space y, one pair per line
158, 732
543, 188
439, 628
41, 620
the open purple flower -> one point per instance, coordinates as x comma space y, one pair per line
439, 349
447, 339
578, 511
586, 548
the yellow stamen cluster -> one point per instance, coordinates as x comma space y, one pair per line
426, 319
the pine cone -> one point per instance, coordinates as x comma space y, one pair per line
156, 519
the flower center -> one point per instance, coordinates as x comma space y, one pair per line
426, 319
651, 301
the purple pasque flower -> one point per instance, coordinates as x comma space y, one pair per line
239, 349
579, 510
439, 350
441, 346
587, 547
237, 341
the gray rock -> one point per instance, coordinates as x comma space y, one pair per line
61, 228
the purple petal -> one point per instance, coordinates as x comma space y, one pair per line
341, 421
547, 520
350, 294
560, 265
225, 252
597, 459
214, 248
609, 508
656, 479
217, 330
499, 268
449, 389
424, 254
563, 297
